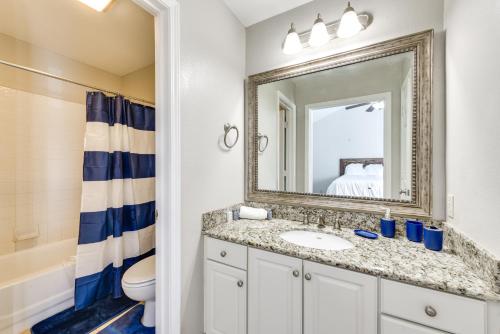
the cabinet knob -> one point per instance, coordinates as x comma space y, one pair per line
240, 283
307, 277
430, 311
296, 273
223, 253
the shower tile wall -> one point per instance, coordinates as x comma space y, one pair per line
41, 152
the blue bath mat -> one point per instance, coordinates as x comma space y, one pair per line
70, 321
129, 323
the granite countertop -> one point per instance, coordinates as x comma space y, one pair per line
395, 259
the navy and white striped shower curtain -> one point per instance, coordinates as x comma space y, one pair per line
118, 195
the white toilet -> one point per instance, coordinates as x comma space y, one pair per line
139, 283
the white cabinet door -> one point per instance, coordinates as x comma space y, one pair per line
274, 293
225, 299
338, 301
391, 325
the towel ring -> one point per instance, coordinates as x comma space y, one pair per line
259, 140
227, 128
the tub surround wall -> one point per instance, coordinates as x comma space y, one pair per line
462, 268
42, 123
40, 181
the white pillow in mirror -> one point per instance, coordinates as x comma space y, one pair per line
354, 169
375, 169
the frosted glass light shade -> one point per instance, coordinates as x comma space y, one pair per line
349, 23
319, 35
98, 5
292, 43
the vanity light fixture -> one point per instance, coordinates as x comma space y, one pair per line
349, 23
320, 34
292, 43
99, 5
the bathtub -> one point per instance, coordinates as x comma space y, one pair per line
36, 284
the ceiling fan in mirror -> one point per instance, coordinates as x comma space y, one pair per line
379, 105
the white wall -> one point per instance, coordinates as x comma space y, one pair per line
473, 117
140, 83
268, 125
26, 54
212, 93
390, 19
41, 141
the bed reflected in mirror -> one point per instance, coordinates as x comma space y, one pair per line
344, 132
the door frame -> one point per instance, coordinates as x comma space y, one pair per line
308, 140
168, 167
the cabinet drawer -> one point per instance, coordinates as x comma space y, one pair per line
390, 325
226, 252
435, 309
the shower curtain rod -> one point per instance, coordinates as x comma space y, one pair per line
32, 70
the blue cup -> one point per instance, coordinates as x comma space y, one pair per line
433, 238
414, 230
388, 227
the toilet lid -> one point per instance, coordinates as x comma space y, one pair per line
141, 272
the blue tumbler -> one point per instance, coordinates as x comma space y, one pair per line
433, 238
414, 230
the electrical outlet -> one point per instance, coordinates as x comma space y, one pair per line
450, 206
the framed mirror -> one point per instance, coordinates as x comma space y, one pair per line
350, 131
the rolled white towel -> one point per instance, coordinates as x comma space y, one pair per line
252, 213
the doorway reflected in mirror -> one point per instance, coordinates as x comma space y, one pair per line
362, 113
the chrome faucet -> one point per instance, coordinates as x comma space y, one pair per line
321, 222
336, 224
308, 217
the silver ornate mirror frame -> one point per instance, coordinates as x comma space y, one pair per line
421, 45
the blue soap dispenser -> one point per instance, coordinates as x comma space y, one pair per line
388, 225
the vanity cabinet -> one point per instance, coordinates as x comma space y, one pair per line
339, 301
274, 293
253, 291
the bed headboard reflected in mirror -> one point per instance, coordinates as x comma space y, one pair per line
350, 131
363, 161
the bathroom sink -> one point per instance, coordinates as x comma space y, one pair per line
316, 240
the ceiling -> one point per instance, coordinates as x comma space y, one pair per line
119, 40
250, 12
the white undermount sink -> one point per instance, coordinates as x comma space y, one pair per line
316, 240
